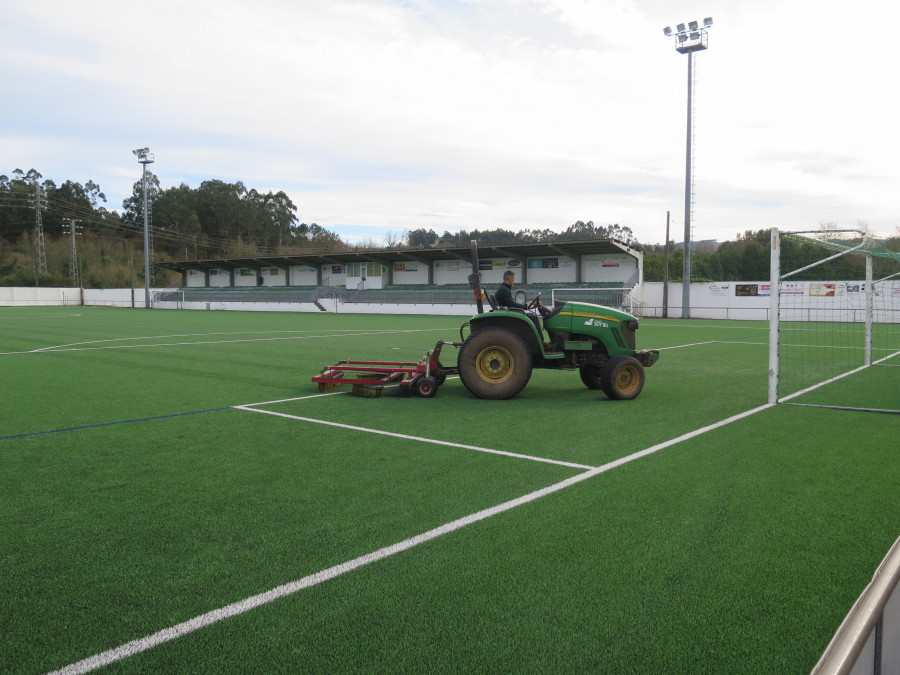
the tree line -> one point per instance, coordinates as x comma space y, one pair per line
747, 258
215, 220
579, 231
221, 220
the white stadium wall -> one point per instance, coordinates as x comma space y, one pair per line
410, 272
739, 300
334, 275
219, 278
303, 275
552, 270
736, 300
244, 277
611, 267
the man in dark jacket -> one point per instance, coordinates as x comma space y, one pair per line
505, 298
504, 293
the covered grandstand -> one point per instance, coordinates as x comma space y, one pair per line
417, 275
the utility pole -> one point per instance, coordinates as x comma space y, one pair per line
73, 259
665, 312
145, 157
40, 252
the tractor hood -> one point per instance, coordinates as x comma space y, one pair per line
575, 317
582, 318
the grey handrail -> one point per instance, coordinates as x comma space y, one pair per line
863, 623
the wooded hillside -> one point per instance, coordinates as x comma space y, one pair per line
220, 220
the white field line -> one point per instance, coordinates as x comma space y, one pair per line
420, 439
234, 609
176, 335
703, 326
39, 316
76, 348
711, 342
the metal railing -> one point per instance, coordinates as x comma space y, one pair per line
868, 640
395, 296
249, 294
612, 297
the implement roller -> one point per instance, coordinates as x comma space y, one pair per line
369, 378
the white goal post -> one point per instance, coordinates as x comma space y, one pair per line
834, 324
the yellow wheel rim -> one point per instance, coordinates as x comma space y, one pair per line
495, 365
627, 380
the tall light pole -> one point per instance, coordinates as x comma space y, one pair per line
689, 38
145, 157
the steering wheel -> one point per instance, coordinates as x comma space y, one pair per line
536, 302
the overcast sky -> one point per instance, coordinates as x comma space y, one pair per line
381, 116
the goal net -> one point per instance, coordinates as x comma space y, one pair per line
834, 334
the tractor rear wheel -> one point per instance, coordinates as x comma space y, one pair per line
494, 363
622, 378
590, 375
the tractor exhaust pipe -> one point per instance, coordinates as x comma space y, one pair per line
475, 279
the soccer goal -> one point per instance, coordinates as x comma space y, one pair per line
168, 296
834, 324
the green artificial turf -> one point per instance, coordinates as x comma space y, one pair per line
135, 498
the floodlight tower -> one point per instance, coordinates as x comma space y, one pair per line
689, 38
145, 157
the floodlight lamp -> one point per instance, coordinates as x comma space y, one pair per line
681, 37
680, 28
695, 35
667, 31
707, 22
693, 25
141, 151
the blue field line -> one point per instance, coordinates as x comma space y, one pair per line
109, 424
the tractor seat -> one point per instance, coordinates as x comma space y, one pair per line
492, 300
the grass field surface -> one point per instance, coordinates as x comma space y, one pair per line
176, 496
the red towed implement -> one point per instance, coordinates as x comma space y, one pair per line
369, 377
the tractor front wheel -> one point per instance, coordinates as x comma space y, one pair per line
494, 364
622, 378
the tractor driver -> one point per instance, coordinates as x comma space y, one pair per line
504, 293
505, 299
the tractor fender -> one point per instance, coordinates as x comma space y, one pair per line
519, 324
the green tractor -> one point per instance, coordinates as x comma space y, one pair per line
504, 345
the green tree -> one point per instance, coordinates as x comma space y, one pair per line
421, 238
134, 205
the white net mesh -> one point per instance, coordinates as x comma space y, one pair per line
839, 321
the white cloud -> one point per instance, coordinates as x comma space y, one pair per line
376, 115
